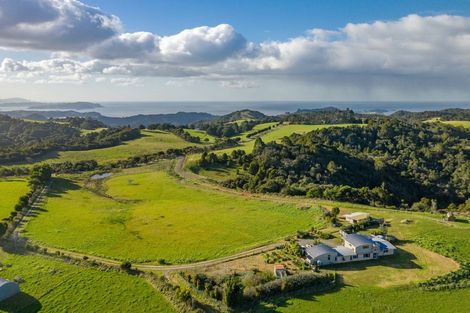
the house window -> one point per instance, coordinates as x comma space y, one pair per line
365, 247
354, 256
328, 257
386, 251
366, 255
350, 258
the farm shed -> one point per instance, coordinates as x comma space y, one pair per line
357, 217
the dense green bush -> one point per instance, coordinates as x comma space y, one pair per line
386, 163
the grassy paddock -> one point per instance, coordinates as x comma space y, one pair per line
374, 300
54, 286
150, 216
279, 132
11, 190
465, 124
152, 141
205, 137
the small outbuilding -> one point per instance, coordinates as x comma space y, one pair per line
8, 289
450, 217
280, 271
357, 217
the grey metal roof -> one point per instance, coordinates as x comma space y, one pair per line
357, 240
383, 244
321, 249
344, 251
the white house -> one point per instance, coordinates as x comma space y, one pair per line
8, 289
355, 248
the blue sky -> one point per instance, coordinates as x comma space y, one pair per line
273, 19
107, 50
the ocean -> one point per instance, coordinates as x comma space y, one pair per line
120, 109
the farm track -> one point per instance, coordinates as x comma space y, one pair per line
195, 181
164, 268
199, 181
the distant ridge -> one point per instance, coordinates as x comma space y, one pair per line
180, 118
34, 105
446, 114
325, 109
242, 115
13, 101
65, 105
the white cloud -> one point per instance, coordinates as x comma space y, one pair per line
62, 25
202, 45
140, 45
238, 84
126, 81
88, 44
410, 45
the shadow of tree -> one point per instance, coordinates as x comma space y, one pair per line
21, 303
60, 186
283, 301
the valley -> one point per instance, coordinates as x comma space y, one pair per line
147, 225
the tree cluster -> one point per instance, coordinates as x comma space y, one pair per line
21, 140
177, 130
82, 122
445, 115
388, 162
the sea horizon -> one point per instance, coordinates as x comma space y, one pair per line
129, 108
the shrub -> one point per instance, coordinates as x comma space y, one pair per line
126, 265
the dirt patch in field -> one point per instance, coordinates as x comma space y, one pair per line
240, 266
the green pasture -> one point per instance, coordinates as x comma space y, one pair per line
54, 286
257, 127
152, 141
205, 137
148, 215
11, 189
374, 300
280, 132
465, 124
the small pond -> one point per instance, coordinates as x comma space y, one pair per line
100, 176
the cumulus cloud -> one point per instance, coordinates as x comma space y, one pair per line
140, 45
88, 43
65, 25
411, 45
202, 45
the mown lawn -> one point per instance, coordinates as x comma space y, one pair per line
11, 190
152, 216
54, 286
382, 288
152, 141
